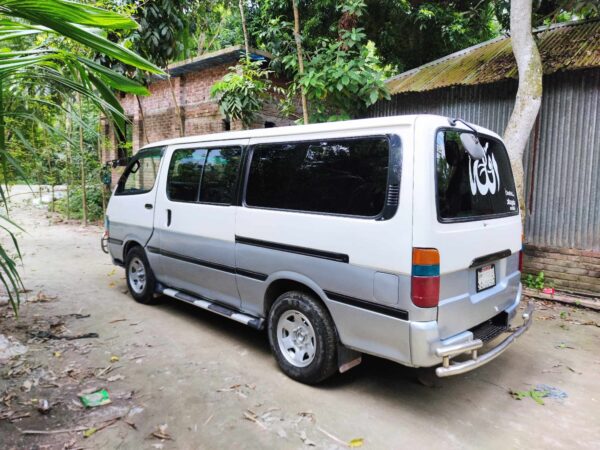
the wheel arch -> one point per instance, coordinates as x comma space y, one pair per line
128, 245
282, 282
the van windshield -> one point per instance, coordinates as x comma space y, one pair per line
470, 189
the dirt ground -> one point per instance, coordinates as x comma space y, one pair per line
183, 378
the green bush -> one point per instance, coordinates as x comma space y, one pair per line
94, 203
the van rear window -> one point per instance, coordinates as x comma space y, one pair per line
470, 189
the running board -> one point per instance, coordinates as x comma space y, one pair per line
254, 322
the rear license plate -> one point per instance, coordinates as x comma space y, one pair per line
486, 277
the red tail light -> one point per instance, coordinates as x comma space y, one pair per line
521, 252
521, 261
425, 280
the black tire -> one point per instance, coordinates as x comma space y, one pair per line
324, 362
142, 293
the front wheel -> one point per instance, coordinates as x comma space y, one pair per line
303, 337
140, 278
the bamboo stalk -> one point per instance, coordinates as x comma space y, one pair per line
177, 109
245, 30
139, 100
69, 127
82, 163
300, 58
102, 187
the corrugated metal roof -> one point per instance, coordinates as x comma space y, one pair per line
567, 46
226, 55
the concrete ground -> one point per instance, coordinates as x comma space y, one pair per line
214, 384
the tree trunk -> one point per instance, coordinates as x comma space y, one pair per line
300, 59
82, 164
177, 109
139, 101
529, 93
245, 30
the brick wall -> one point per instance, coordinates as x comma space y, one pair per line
199, 112
569, 269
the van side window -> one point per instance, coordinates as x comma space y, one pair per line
185, 171
141, 174
220, 175
337, 176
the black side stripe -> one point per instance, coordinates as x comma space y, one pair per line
210, 265
115, 241
370, 306
339, 257
250, 274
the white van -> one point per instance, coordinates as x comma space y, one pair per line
398, 237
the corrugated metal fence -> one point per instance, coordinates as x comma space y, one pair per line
562, 161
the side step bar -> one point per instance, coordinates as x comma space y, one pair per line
254, 322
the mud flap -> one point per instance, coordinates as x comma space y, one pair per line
347, 359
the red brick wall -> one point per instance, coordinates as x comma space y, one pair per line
200, 113
568, 269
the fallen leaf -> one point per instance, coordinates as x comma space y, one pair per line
115, 378
114, 358
87, 433
161, 433
356, 442
251, 416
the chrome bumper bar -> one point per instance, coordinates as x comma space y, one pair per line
447, 352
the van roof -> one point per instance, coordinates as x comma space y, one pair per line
300, 129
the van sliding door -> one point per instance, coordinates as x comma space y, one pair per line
195, 220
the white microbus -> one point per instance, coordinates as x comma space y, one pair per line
398, 237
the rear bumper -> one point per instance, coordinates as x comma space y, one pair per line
447, 352
428, 349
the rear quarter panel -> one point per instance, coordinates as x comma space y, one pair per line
461, 307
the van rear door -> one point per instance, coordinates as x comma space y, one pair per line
469, 212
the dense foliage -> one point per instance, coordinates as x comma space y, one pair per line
45, 62
243, 91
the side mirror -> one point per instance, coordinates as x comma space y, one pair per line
472, 145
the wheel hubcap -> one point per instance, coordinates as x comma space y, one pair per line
137, 275
296, 338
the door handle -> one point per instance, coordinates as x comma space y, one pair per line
168, 217
148, 206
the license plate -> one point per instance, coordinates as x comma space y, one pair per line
486, 277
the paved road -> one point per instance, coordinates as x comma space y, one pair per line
207, 377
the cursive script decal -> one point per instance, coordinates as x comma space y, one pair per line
484, 176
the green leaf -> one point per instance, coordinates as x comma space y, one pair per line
114, 79
53, 15
67, 11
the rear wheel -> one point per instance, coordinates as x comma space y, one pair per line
140, 278
303, 338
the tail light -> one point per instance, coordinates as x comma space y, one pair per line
520, 261
425, 279
521, 253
